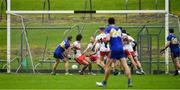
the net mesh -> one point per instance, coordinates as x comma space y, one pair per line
44, 34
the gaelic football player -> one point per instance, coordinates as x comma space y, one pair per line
117, 52
173, 44
61, 54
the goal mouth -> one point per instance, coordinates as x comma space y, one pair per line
20, 13
45, 32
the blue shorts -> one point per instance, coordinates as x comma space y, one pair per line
175, 53
58, 53
120, 53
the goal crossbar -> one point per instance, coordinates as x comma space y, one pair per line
79, 11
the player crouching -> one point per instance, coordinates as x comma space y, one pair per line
61, 53
81, 59
94, 54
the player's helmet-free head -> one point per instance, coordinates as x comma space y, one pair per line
92, 39
69, 38
101, 28
111, 21
124, 31
171, 30
79, 37
120, 28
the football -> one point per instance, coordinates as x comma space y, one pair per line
74, 66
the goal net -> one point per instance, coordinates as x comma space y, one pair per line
35, 34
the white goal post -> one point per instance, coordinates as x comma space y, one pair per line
9, 12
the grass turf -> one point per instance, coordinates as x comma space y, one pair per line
46, 81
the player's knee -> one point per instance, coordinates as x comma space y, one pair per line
87, 63
107, 70
127, 71
107, 67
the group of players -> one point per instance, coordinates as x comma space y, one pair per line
112, 47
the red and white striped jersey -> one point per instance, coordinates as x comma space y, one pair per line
103, 46
77, 47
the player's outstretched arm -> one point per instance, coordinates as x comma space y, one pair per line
93, 53
94, 44
166, 46
69, 52
85, 50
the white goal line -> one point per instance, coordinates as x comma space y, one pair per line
81, 11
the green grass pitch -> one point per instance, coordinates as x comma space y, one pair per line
61, 81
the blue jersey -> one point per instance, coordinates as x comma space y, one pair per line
115, 37
61, 48
65, 44
174, 45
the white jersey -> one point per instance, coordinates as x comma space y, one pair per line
127, 43
77, 47
98, 48
103, 47
128, 47
90, 46
124, 35
130, 39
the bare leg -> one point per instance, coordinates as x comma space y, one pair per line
83, 69
100, 63
132, 61
115, 67
107, 70
137, 61
55, 66
107, 73
126, 70
86, 64
87, 60
90, 68
176, 63
138, 64
66, 66
119, 65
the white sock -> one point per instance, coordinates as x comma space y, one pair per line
141, 69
